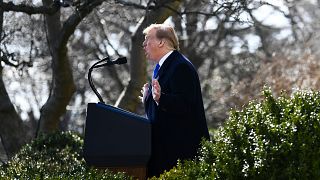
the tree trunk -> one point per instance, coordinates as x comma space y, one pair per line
62, 91
62, 80
63, 85
129, 97
13, 132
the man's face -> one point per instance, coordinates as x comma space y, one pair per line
151, 46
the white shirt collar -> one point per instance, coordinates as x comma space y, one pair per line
164, 58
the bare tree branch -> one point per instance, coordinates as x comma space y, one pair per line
135, 5
5, 59
29, 9
72, 22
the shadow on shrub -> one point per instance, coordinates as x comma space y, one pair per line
56, 156
277, 138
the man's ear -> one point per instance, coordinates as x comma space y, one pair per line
161, 43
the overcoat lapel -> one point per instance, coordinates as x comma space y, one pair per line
166, 64
161, 72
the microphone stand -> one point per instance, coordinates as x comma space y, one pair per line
97, 65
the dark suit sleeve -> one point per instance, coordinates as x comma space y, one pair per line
179, 93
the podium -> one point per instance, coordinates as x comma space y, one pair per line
117, 139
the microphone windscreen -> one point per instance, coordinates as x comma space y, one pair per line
122, 60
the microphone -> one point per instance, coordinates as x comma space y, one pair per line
120, 60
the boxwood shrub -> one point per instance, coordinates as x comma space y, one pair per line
276, 138
54, 156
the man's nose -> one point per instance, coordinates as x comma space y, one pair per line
144, 44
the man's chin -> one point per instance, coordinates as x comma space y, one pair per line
152, 60
149, 58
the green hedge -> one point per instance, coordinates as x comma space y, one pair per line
55, 156
277, 138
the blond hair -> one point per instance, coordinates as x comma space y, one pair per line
164, 31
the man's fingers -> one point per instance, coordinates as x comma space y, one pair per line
144, 92
156, 90
155, 84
